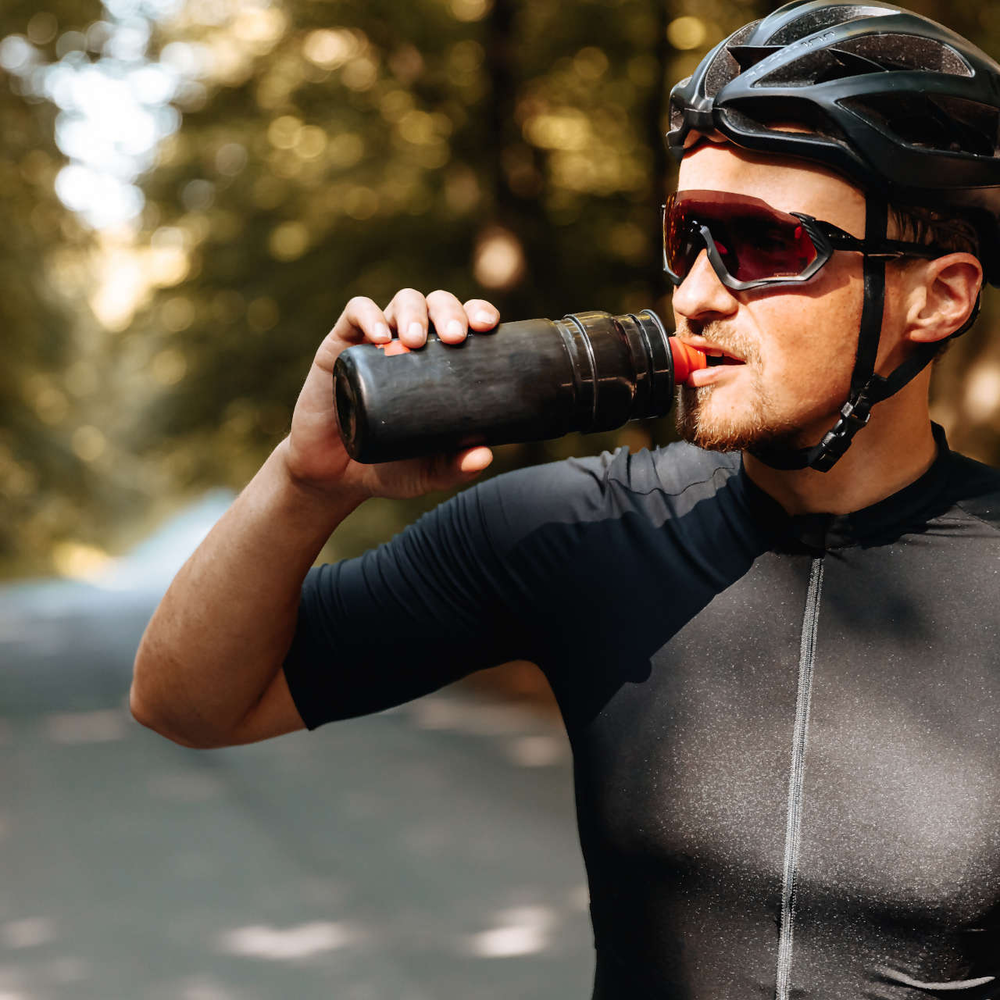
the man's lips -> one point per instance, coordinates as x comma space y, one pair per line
706, 376
717, 358
717, 355
711, 348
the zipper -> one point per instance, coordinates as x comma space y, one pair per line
796, 776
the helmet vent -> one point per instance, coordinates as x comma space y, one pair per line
948, 124
785, 114
868, 54
750, 55
824, 17
725, 67
742, 34
978, 123
907, 52
819, 66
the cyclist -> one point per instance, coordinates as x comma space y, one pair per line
776, 647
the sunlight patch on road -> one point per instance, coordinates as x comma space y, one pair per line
102, 726
29, 932
472, 715
521, 930
280, 945
437, 713
537, 751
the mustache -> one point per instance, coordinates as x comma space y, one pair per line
731, 341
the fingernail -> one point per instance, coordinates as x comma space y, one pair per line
415, 329
454, 329
485, 317
381, 332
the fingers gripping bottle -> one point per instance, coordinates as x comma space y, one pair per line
524, 381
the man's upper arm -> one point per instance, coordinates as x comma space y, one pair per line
436, 603
463, 588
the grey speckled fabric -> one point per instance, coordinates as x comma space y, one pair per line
786, 730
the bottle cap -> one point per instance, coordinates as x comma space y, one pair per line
686, 360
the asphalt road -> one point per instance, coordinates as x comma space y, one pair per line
427, 853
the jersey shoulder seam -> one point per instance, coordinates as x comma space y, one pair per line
961, 505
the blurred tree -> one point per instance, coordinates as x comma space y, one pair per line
493, 147
48, 487
502, 149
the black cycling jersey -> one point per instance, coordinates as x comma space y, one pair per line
786, 730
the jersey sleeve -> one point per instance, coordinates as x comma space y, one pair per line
455, 592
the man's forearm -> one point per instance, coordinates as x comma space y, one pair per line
218, 638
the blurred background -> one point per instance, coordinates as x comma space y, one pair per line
190, 191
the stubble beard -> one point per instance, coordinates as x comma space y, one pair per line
696, 422
753, 426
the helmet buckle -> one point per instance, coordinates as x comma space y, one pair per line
854, 415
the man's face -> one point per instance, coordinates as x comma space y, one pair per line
798, 342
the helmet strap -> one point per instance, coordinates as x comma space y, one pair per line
867, 388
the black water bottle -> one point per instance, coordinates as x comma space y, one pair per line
524, 381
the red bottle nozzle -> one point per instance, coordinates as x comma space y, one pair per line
686, 360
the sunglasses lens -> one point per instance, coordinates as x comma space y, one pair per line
754, 240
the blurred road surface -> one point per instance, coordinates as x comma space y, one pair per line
428, 853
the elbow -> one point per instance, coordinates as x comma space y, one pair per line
147, 716
154, 714
143, 713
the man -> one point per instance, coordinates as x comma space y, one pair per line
778, 661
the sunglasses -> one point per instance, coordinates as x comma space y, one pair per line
750, 244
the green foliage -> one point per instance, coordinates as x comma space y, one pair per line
355, 149
503, 149
45, 487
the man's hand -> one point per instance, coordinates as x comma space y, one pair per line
315, 455
208, 671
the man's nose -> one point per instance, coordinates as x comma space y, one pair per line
702, 294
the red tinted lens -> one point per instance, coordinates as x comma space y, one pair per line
754, 240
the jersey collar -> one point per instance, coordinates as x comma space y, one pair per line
905, 511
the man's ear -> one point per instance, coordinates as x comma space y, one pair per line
942, 297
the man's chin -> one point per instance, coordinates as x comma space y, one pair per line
697, 424
727, 438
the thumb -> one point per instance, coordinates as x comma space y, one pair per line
454, 470
474, 460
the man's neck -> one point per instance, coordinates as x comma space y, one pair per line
896, 448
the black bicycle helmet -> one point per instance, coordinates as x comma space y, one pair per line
906, 109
